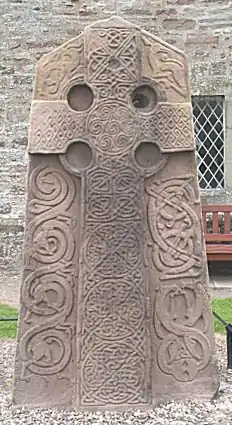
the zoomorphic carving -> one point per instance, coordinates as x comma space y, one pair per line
175, 228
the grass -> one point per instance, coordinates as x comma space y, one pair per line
8, 329
222, 306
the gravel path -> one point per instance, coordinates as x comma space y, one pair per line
217, 412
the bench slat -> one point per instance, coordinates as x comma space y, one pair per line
212, 256
227, 222
204, 222
222, 249
218, 237
216, 208
215, 223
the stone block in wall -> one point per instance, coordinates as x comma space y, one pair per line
11, 237
180, 24
201, 39
228, 115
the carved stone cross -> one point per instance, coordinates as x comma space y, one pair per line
115, 311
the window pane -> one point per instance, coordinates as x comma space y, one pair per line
209, 136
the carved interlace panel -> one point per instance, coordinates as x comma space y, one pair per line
175, 228
113, 60
114, 349
170, 125
54, 125
181, 314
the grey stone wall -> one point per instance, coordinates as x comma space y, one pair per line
30, 29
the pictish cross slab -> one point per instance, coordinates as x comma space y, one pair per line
114, 307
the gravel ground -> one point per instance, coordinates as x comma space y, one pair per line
217, 412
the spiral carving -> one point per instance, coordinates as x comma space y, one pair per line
112, 127
52, 242
47, 291
49, 188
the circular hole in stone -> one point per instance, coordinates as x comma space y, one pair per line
148, 155
79, 155
144, 98
80, 97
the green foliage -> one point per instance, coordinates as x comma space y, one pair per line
223, 307
8, 329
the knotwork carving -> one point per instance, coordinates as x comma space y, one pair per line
120, 363
52, 126
114, 311
175, 228
113, 61
47, 291
113, 250
181, 319
171, 125
113, 303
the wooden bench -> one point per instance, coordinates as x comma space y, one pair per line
217, 230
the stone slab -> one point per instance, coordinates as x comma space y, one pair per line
114, 297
